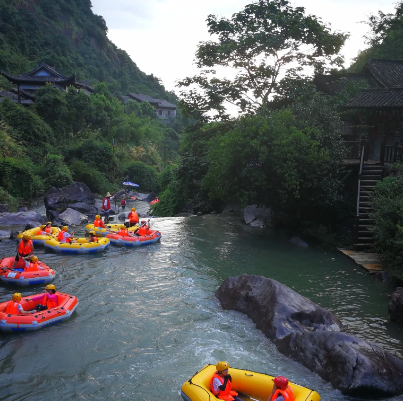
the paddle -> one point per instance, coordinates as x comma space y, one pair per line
145, 223
247, 396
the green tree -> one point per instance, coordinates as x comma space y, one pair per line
54, 172
267, 41
145, 176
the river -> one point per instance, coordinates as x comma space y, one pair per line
147, 318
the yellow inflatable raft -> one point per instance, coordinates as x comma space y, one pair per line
103, 232
36, 238
249, 385
81, 246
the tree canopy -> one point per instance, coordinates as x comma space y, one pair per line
264, 43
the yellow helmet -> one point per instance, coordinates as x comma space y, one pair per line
133, 209
222, 366
50, 287
16, 297
97, 216
26, 237
34, 258
65, 228
48, 223
42, 226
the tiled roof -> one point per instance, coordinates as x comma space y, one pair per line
161, 103
166, 105
389, 73
332, 84
377, 98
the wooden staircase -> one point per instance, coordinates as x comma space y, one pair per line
368, 177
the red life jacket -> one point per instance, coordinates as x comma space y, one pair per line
12, 308
287, 394
48, 230
32, 267
93, 239
123, 232
123, 203
143, 230
106, 205
98, 223
24, 248
225, 394
133, 217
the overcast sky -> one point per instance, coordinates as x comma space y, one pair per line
161, 35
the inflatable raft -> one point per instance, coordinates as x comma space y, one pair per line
23, 278
82, 246
36, 238
135, 240
25, 322
103, 232
249, 385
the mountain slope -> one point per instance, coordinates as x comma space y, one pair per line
66, 34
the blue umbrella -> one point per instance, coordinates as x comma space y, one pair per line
132, 184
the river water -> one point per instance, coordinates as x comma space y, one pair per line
147, 318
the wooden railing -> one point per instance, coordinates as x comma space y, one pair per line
391, 153
354, 150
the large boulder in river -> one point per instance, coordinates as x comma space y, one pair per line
311, 335
257, 216
4, 208
71, 217
21, 219
395, 307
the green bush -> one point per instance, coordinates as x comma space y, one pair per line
16, 177
143, 175
6, 198
387, 203
54, 172
95, 180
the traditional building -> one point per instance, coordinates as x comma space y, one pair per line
164, 109
29, 82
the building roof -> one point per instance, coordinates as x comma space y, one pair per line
377, 99
389, 73
158, 103
332, 84
43, 73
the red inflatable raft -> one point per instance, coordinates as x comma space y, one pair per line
66, 306
24, 278
135, 240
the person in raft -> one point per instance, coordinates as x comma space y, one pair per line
64, 237
133, 217
14, 306
98, 222
47, 300
92, 237
46, 229
32, 266
106, 206
123, 203
143, 229
123, 232
281, 390
221, 383
25, 249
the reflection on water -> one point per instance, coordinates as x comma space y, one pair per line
148, 319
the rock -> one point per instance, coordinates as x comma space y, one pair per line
83, 207
257, 216
71, 217
77, 192
199, 214
122, 216
5, 234
54, 200
23, 209
383, 276
29, 227
149, 197
311, 335
395, 307
4, 208
21, 219
299, 242
183, 215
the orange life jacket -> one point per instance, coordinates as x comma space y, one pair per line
225, 394
93, 239
133, 217
32, 267
48, 230
287, 394
123, 232
24, 248
98, 223
143, 230
12, 308
49, 302
62, 237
